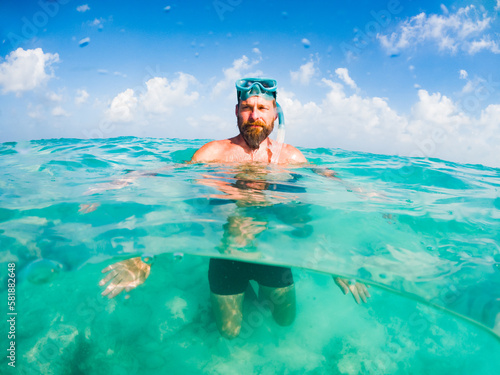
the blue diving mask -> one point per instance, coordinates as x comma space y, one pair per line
266, 89
263, 87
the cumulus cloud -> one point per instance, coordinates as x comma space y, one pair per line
476, 85
81, 96
343, 74
122, 107
162, 96
52, 96
463, 74
464, 30
25, 70
83, 8
59, 112
483, 44
239, 69
304, 74
436, 126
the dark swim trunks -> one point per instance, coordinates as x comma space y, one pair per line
227, 277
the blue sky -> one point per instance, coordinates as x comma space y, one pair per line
415, 78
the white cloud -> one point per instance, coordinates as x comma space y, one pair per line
25, 70
122, 106
97, 22
304, 74
483, 44
463, 74
463, 30
35, 112
59, 112
469, 87
436, 127
474, 85
162, 96
343, 74
81, 96
52, 96
238, 70
83, 8
497, 7
435, 110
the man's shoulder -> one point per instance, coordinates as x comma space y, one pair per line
211, 151
292, 154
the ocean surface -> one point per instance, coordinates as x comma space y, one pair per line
424, 234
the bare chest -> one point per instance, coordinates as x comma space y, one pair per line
239, 155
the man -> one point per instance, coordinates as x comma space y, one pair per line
256, 112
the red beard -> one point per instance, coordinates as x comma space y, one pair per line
255, 132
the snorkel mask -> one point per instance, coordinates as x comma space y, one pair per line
266, 89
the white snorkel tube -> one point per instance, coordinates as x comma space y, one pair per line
280, 136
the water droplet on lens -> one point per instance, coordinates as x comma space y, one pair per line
178, 256
147, 258
42, 271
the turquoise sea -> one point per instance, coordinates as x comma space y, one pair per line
423, 233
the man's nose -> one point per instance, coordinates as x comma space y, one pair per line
255, 115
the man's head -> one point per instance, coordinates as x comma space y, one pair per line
256, 109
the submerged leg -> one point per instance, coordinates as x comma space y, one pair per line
228, 311
283, 304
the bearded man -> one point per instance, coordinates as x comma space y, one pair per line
256, 112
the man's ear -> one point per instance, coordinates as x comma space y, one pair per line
236, 110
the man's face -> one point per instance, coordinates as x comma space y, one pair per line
256, 117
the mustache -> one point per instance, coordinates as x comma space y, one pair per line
255, 123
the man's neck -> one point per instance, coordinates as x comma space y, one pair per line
261, 153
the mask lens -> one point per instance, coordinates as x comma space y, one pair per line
265, 83
248, 83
